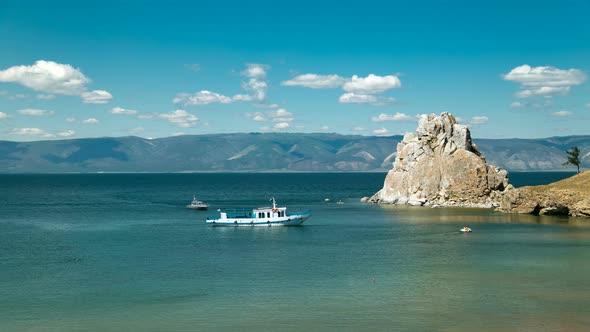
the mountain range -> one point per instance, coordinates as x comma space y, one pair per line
262, 152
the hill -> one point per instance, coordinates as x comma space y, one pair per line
260, 152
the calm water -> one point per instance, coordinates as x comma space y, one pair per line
113, 252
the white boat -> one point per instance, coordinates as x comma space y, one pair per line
262, 216
197, 205
465, 229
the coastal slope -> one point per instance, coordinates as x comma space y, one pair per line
570, 196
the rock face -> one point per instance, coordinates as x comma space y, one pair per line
567, 197
440, 165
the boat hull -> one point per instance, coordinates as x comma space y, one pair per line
293, 220
194, 207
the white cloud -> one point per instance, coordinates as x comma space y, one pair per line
561, 114
4, 116
324, 128
355, 98
478, 120
90, 121
96, 97
280, 115
544, 80
71, 120
544, 90
179, 133
34, 112
400, 117
180, 118
359, 129
119, 110
281, 125
517, 104
255, 70
315, 81
47, 76
202, 97
545, 76
381, 132
256, 87
372, 84
66, 133
45, 96
31, 132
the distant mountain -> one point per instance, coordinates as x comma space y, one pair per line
260, 152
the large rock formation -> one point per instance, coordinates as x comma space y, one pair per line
570, 196
440, 165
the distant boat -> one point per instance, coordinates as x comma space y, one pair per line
197, 205
262, 216
465, 229
340, 202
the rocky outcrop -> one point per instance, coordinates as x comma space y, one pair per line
567, 197
440, 165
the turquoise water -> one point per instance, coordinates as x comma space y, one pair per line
119, 252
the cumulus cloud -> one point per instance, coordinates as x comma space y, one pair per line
180, 118
4, 116
96, 97
544, 90
34, 112
47, 76
281, 125
381, 132
202, 97
315, 81
372, 84
478, 120
399, 117
120, 110
359, 129
358, 90
356, 98
90, 121
279, 115
561, 114
54, 78
544, 80
66, 133
31, 132
70, 119
255, 70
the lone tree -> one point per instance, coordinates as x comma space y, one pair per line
573, 157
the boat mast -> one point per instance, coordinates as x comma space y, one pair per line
274, 205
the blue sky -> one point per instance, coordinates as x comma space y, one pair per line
156, 69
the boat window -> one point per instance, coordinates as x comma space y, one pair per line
268, 214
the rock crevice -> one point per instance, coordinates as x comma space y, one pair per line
440, 165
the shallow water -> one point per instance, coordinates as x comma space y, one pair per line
120, 252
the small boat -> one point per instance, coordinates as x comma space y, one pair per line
465, 229
340, 202
197, 205
262, 216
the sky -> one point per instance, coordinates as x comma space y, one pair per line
507, 69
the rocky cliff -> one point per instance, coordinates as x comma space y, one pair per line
440, 165
566, 197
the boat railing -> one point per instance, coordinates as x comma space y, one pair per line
247, 213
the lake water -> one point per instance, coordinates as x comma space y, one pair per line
120, 252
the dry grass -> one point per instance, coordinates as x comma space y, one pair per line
579, 182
